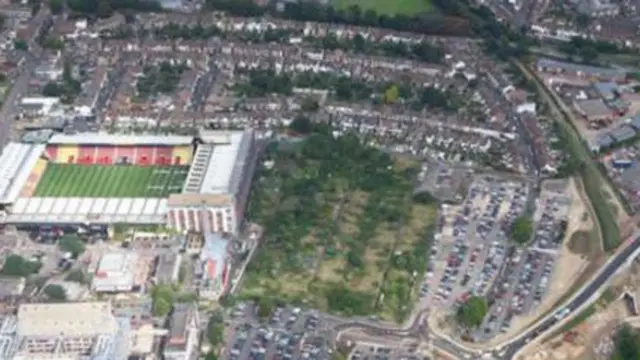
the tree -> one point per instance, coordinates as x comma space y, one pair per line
227, 300
521, 230
627, 344
211, 356
53, 43
76, 276
163, 297
16, 265
55, 293
215, 329
301, 125
309, 104
391, 95
161, 307
52, 89
471, 313
20, 45
56, 6
348, 301
72, 244
104, 9
424, 197
266, 305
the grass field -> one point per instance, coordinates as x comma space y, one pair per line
385, 7
350, 249
70, 180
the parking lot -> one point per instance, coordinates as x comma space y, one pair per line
471, 242
289, 333
528, 273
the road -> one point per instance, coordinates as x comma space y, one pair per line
601, 279
19, 87
10, 105
413, 328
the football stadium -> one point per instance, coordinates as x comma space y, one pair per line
94, 179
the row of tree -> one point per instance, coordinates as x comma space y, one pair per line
103, 8
453, 18
67, 89
263, 82
423, 50
161, 79
431, 23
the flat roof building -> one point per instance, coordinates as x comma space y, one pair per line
182, 337
212, 272
594, 109
64, 331
116, 272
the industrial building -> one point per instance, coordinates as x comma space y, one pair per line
65, 331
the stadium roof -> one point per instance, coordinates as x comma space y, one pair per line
217, 164
114, 139
70, 319
16, 162
41, 210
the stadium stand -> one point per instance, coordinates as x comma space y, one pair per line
106, 149
144, 155
125, 154
162, 155
86, 155
109, 155
67, 154
32, 181
106, 155
182, 155
51, 153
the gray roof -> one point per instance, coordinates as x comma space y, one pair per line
594, 108
586, 69
623, 133
168, 266
606, 89
631, 178
635, 121
604, 140
178, 324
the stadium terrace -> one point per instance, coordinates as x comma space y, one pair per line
93, 179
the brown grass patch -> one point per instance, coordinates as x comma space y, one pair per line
332, 270
584, 243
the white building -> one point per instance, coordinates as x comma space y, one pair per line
116, 273
215, 192
64, 331
39, 105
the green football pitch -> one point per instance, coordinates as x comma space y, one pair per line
71, 180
